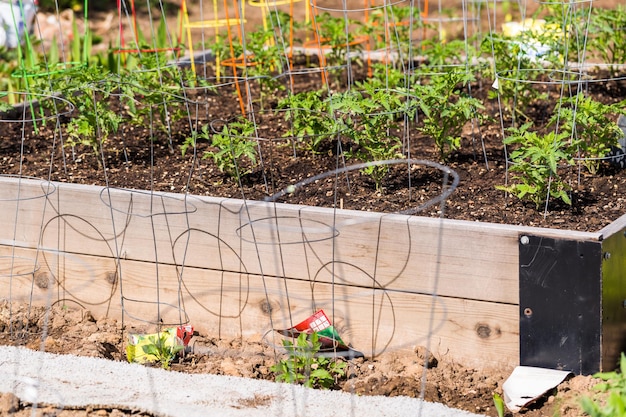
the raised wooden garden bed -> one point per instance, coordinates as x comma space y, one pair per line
482, 294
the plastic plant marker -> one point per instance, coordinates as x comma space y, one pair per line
320, 324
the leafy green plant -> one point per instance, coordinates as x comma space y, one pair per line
223, 50
310, 121
591, 123
236, 152
535, 165
439, 54
337, 33
446, 109
303, 366
514, 72
614, 383
371, 117
286, 28
89, 89
163, 351
385, 76
606, 35
154, 96
265, 61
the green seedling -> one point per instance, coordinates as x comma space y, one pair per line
89, 90
303, 366
311, 123
535, 165
593, 124
265, 61
614, 383
446, 109
498, 403
372, 118
163, 351
236, 151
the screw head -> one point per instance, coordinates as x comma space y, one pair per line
524, 240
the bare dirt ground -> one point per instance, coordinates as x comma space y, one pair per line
77, 332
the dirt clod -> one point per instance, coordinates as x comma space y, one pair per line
9, 403
426, 357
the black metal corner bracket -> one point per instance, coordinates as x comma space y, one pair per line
560, 284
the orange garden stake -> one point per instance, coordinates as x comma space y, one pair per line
425, 19
216, 23
322, 42
122, 49
232, 55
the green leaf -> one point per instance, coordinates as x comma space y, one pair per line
498, 403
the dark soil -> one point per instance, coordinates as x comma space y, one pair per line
145, 157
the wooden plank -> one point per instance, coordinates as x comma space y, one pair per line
371, 250
380, 251
51, 276
617, 226
474, 333
23, 204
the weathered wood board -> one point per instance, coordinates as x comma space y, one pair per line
233, 267
231, 304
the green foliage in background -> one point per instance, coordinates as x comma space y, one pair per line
606, 35
592, 125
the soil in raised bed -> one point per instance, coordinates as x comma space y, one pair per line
141, 157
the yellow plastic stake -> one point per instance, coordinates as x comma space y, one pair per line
186, 23
218, 59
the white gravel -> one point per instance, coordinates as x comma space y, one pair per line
73, 381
